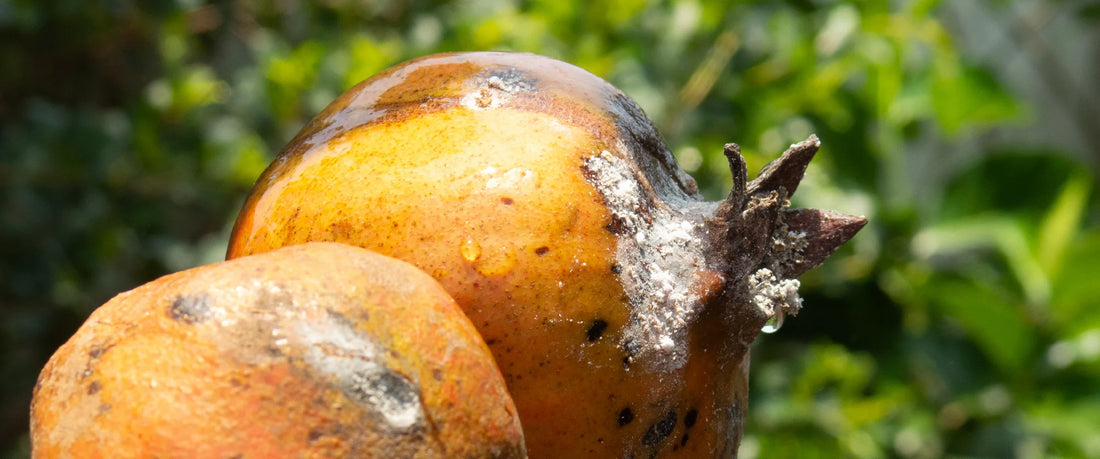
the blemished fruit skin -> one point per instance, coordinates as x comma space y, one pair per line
317, 350
618, 304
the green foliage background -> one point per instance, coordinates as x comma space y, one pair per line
963, 321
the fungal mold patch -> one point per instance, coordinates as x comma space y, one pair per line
660, 259
772, 295
334, 348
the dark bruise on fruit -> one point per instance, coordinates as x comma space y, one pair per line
660, 430
190, 309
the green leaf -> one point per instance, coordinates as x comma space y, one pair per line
1069, 423
1076, 292
1060, 225
1003, 234
967, 96
988, 315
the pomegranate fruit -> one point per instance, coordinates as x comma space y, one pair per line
318, 350
618, 304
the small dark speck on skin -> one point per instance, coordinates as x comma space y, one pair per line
596, 330
690, 418
616, 227
684, 440
616, 269
437, 374
625, 416
507, 201
314, 435
94, 387
98, 350
542, 250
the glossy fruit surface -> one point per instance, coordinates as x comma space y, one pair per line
618, 305
318, 350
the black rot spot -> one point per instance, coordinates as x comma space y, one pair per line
625, 416
542, 250
684, 440
616, 269
190, 309
690, 418
660, 430
596, 330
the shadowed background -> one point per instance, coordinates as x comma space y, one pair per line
963, 321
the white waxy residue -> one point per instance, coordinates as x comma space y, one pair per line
661, 256
334, 348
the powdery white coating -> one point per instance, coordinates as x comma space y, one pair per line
496, 89
334, 348
661, 260
788, 248
774, 296
788, 245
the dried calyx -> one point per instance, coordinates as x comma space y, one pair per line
766, 244
754, 247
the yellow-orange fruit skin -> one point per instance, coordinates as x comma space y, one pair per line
473, 168
318, 350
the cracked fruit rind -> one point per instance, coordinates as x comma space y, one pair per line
318, 350
618, 304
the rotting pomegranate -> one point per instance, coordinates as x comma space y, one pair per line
619, 305
317, 350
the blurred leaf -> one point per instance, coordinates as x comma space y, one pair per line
1060, 226
1089, 12
290, 75
1008, 236
1076, 297
1014, 181
1071, 424
369, 57
997, 325
966, 96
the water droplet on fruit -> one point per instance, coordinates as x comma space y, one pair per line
774, 322
470, 249
497, 261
